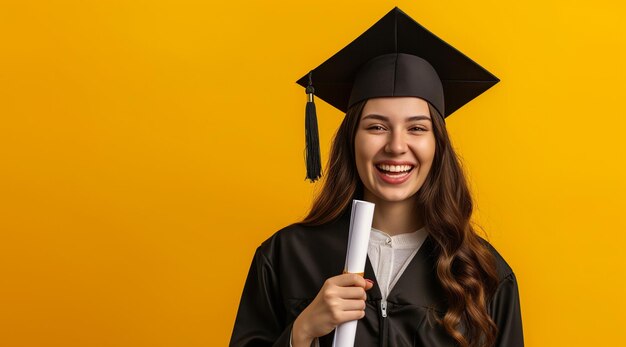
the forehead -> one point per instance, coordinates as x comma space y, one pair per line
396, 106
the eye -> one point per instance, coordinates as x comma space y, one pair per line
375, 127
419, 129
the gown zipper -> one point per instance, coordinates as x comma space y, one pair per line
383, 320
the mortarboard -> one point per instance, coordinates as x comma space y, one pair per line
395, 57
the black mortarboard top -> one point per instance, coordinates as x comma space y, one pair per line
395, 57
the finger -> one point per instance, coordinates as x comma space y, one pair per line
370, 284
347, 316
351, 293
349, 280
353, 305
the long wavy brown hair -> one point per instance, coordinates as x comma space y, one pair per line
465, 268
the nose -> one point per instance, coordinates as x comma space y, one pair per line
396, 143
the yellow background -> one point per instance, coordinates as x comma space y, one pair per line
148, 147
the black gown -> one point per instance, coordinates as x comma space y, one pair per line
290, 267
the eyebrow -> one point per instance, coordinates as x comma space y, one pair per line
386, 119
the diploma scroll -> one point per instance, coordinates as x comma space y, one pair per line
356, 255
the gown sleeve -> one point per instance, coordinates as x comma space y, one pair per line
260, 318
505, 312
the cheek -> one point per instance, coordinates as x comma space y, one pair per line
426, 151
362, 153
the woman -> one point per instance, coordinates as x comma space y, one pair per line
430, 280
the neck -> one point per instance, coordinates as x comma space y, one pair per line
395, 217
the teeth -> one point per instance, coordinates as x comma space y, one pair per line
395, 168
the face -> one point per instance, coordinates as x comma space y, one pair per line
394, 147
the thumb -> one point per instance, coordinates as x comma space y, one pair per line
369, 284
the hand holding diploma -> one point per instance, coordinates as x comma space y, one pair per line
341, 300
356, 255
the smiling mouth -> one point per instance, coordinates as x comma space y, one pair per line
395, 170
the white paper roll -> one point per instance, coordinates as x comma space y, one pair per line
356, 255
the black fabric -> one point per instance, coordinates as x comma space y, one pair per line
290, 267
458, 77
398, 74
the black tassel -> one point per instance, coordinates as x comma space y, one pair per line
313, 161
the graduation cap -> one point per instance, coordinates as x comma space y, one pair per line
395, 57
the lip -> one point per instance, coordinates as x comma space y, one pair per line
392, 180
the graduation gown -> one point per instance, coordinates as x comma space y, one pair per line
290, 267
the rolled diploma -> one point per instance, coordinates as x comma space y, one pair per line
358, 240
